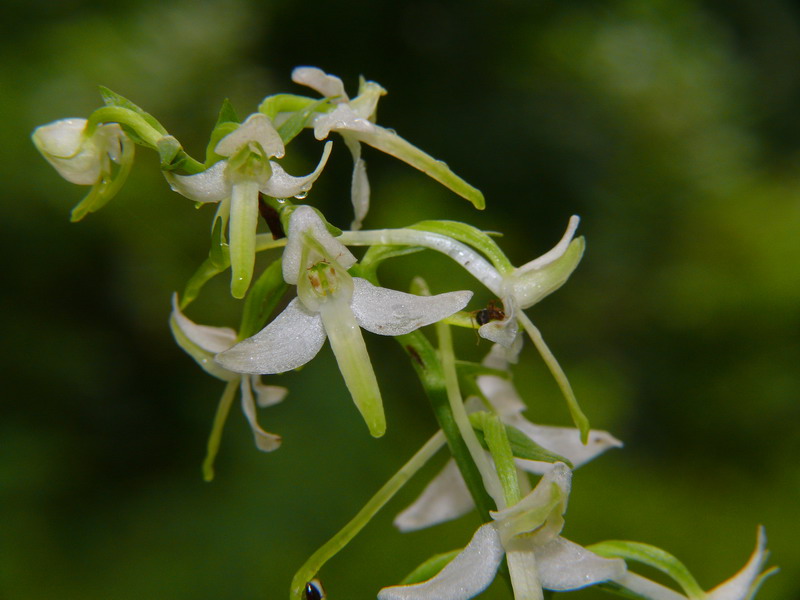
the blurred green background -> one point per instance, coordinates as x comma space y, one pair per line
671, 127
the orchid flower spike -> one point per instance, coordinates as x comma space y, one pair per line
527, 533
237, 181
202, 343
100, 157
332, 304
354, 120
446, 497
526, 285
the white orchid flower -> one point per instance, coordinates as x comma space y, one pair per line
202, 343
236, 183
446, 497
332, 304
87, 157
354, 120
527, 533
533, 281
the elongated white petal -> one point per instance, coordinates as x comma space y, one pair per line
359, 183
565, 441
342, 118
209, 186
744, 584
498, 390
257, 128
283, 185
564, 565
351, 354
466, 576
645, 588
210, 339
265, 441
292, 339
243, 225
267, 395
305, 219
327, 85
556, 252
446, 497
523, 569
389, 312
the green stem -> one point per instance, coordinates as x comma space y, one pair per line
223, 408
491, 482
428, 367
315, 562
125, 116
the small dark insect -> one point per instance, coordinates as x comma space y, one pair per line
314, 590
490, 313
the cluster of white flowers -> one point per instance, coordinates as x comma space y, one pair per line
337, 296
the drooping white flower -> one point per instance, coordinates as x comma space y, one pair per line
237, 181
538, 557
331, 304
354, 120
202, 343
446, 497
87, 157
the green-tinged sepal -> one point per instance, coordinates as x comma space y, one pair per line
289, 129
531, 284
472, 236
227, 122
522, 446
654, 557
430, 567
278, 103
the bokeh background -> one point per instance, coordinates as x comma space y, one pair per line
670, 126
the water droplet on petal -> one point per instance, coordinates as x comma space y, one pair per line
302, 195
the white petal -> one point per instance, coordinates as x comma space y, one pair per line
342, 118
745, 583
77, 159
292, 339
389, 312
305, 219
210, 339
267, 395
506, 331
564, 565
359, 183
556, 252
523, 569
209, 186
283, 185
318, 80
466, 576
565, 441
446, 497
265, 441
257, 128
366, 103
